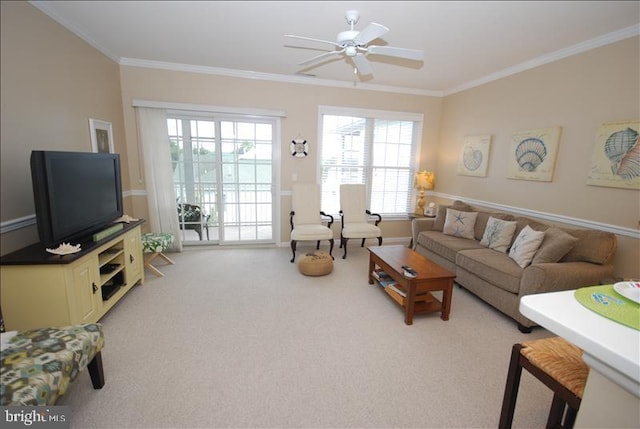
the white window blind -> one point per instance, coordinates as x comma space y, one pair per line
369, 148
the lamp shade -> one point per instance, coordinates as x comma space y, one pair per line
424, 180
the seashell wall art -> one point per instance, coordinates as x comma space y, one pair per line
533, 154
615, 161
474, 158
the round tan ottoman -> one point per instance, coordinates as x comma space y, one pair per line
316, 264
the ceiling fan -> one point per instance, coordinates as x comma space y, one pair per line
354, 44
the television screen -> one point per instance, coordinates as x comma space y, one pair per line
76, 193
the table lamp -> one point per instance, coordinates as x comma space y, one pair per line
422, 181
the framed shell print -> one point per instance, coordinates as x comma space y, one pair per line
533, 154
474, 158
615, 161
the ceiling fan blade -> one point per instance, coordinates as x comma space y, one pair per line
370, 32
311, 39
362, 64
409, 54
320, 57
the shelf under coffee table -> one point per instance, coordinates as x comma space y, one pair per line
431, 277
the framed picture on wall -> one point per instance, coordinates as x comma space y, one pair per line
615, 160
101, 136
474, 158
533, 154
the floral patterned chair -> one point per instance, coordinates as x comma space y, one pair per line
39, 364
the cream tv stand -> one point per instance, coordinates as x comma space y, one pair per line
40, 289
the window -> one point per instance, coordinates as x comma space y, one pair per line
379, 149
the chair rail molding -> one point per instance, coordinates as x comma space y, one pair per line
568, 220
18, 223
29, 220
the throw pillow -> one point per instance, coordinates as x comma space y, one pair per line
556, 244
498, 234
441, 216
459, 223
526, 245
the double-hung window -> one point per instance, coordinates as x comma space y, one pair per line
377, 148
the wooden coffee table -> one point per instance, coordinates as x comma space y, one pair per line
431, 277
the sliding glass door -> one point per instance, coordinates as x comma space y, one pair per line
223, 170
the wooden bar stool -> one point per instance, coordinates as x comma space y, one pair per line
153, 244
556, 363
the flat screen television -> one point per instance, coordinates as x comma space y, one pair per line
75, 193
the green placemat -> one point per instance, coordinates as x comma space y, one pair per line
605, 301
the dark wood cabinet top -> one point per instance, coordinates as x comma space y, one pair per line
36, 254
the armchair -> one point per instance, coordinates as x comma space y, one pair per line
305, 217
190, 216
355, 216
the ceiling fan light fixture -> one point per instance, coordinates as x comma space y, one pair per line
351, 51
355, 45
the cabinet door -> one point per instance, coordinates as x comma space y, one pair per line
84, 292
133, 256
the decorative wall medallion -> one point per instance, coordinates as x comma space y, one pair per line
299, 148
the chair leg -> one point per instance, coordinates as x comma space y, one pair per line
344, 244
511, 389
293, 249
318, 245
362, 244
379, 241
331, 248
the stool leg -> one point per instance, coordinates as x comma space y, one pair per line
147, 264
555, 413
166, 258
96, 372
511, 389
570, 418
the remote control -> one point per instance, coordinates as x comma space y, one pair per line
409, 272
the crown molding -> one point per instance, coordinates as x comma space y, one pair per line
246, 74
45, 7
579, 48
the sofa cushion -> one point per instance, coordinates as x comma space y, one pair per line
444, 245
441, 215
460, 224
498, 234
526, 245
592, 246
494, 267
555, 245
483, 218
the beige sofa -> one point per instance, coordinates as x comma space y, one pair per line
566, 259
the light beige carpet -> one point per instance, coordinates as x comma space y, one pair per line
239, 338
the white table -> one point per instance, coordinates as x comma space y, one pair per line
612, 351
